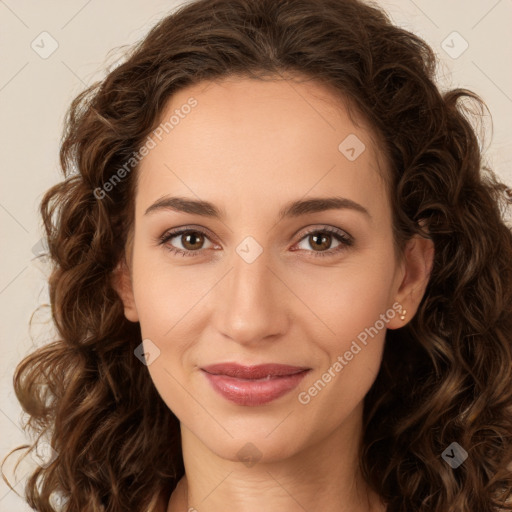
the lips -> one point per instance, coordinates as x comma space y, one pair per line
253, 385
253, 372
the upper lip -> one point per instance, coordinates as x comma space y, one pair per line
253, 372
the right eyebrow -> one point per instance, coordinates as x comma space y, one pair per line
185, 205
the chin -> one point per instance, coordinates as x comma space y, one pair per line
250, 450
253, 445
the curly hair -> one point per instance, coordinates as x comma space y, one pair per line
445, 377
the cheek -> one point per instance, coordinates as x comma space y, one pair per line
168, 304
351, 307
165, 305
348, 298
164, 294
353, 353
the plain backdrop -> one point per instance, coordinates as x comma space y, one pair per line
52, 50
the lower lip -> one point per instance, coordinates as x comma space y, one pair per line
254, 392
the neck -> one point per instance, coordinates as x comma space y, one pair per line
325, 476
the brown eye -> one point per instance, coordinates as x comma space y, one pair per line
192, 240
320, 240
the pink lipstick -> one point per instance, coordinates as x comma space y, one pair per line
253, 385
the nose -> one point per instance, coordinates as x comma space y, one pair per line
251, 304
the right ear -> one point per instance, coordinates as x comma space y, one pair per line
122, 284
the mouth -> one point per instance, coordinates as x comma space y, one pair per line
261, 371
253, 385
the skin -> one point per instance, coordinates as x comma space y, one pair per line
249, 147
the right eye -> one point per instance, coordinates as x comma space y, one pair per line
186, 236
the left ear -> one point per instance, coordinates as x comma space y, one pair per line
417, 264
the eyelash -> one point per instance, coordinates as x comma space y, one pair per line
345, 241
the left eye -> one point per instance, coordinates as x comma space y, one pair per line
192, 241
322, 238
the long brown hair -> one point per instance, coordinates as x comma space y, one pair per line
445, 377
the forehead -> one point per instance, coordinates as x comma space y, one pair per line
260, 141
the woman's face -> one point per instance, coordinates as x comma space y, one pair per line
256, 287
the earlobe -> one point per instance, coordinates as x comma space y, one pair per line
122, 283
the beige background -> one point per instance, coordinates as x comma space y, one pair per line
35, 92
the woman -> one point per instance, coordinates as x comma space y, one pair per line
282, 278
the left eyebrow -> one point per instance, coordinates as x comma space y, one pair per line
320, 204
291, 209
